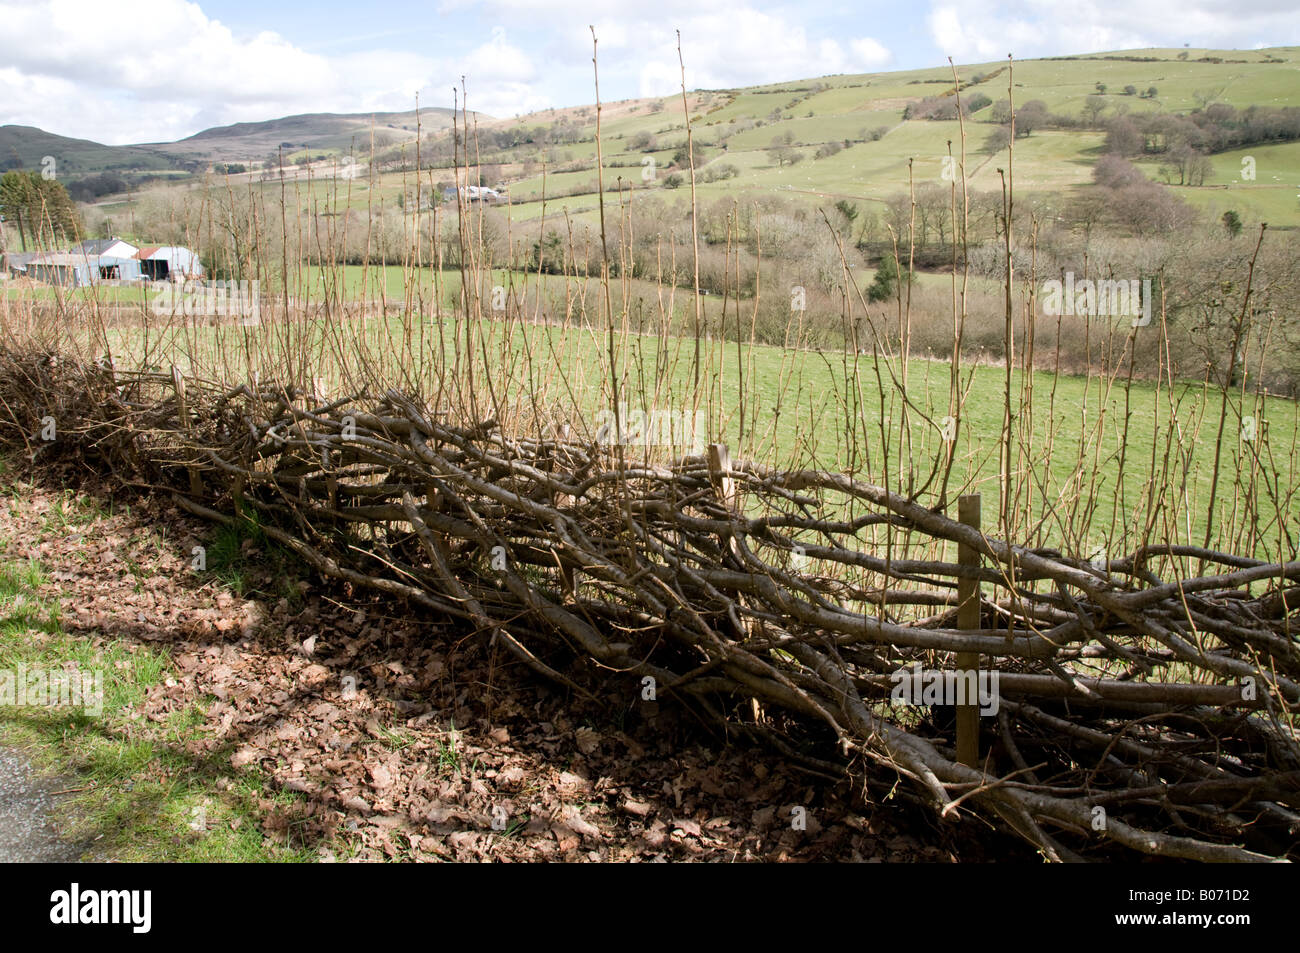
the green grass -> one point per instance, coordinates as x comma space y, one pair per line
1048, 163
240, 557
115, 295
841, 411
138, 793
449, 760
1273, 196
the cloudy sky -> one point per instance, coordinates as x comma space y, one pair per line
122, 71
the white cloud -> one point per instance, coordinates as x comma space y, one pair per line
146, 70
155, 68
742, 46
990, 29
726, 43
870, 53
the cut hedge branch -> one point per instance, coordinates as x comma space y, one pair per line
1136, 711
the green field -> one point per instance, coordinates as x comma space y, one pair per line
1049, 163
1125, 461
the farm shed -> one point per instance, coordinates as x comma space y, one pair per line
15, 262
105, 248
63, 268
114, 268
169, 263
76, 268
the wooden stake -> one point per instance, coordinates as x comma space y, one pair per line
719, 466
183, 412
968, 619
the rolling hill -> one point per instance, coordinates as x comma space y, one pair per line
24, 147
324, 131
851, 137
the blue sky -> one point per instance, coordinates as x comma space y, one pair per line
164, 69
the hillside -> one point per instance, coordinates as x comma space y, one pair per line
24, 147
852, 137
325, 131
859, 138
849, 137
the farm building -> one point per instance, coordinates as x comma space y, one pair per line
476, 193
79, 267
105, 259
169, 263
111, 259
15, 262
105, 247
62, 268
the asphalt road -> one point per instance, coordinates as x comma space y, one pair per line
25, 804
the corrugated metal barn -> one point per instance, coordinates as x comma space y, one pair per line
62, 268
169, 262
106, 259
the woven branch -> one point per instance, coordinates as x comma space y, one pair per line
1163, 705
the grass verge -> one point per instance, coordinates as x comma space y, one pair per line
136, 789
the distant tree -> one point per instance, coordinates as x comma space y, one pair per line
998, 140
1114, 172
673, 181
934, 107
1232, 222
547, 255
787, 156
977, 102
1198, 168
1151, 92
40, 207
1130, 90
1204, 97
1032, 115
1087, 210
719, 172
1101, 89
889, 275
1123, 138
684, 157
92, 187
1093, 107
847, 209
1186, 163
